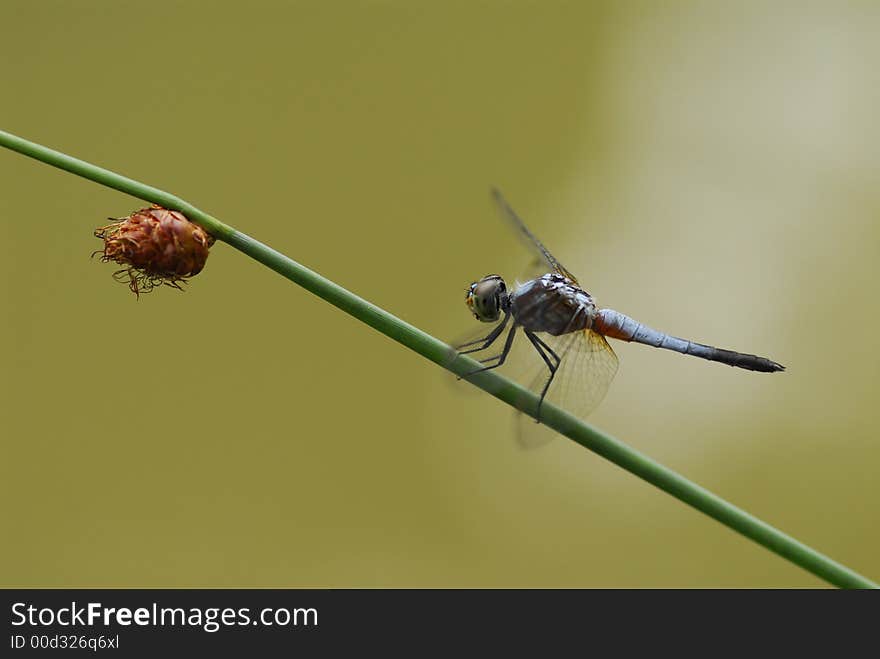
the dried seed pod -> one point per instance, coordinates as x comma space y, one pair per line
157, 246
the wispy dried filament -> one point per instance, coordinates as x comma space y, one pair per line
158, 246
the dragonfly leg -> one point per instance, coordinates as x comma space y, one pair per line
546, 353
500, 357
485, 341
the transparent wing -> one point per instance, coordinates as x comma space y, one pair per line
588, 365
542, 255
536, 267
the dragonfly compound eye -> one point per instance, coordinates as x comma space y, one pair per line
157, 246
484, 298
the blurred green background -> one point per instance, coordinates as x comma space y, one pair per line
709, 169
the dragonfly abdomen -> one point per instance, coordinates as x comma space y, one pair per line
620, 326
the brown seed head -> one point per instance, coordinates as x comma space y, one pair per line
158, 246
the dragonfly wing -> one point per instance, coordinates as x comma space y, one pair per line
588, 365
543, 257
536, 267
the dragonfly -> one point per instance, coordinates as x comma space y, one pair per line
567, 330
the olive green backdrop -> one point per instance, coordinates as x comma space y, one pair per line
710, 170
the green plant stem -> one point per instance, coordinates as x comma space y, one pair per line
438, 352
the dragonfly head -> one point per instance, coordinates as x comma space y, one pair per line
487, 298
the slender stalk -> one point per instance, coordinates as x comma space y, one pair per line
438, 352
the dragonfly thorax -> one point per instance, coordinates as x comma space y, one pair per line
552, 304
487, 298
